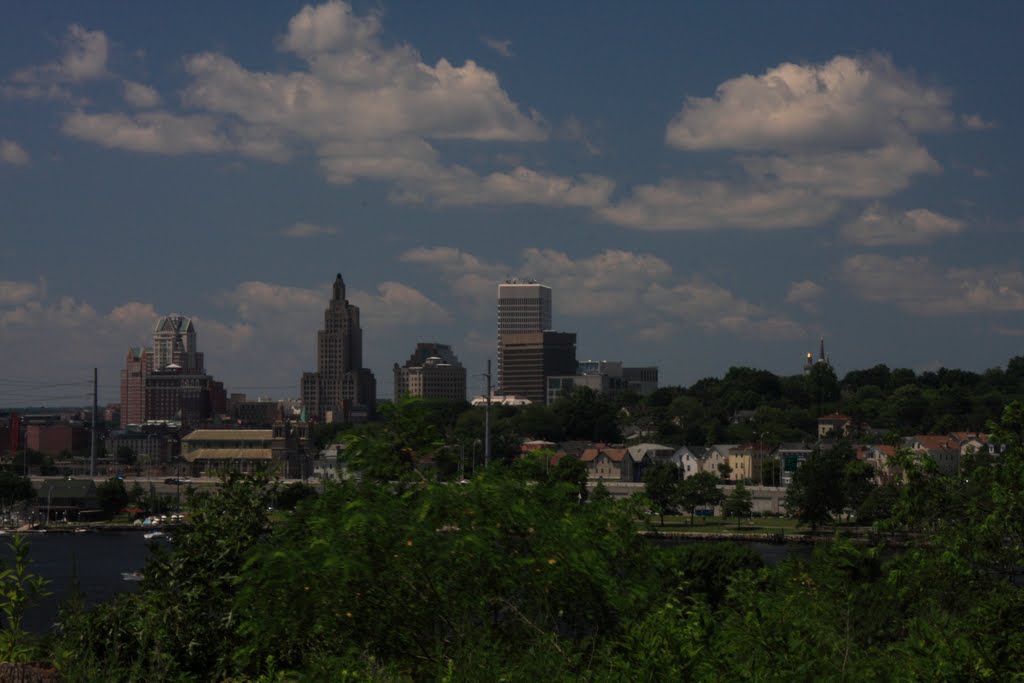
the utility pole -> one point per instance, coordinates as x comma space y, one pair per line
92, 440
487, 419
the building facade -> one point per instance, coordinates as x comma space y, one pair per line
529, 358
174, 343
433, 371
523, 307
341, 389
169, 380
138, 365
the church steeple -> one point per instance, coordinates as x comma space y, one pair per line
339, 289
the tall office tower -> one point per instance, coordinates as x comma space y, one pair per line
174, 343
523, 306
433, 371
138, 366
529, 358
341, 389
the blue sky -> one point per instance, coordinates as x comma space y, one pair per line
702, 184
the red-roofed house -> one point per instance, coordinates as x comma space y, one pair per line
610, 464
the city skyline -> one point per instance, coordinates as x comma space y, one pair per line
701, 186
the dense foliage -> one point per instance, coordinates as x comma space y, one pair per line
509, 576
412, 573
743, 406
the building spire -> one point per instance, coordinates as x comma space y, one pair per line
339, 289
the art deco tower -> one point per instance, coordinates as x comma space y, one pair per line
341, 388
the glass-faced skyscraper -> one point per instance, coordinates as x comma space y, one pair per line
523, 306
341, 388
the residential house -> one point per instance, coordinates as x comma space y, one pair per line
942, 450
646, 454
747, 462
836, 425
610, 464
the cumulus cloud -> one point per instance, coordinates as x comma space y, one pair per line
366, 108
716, 309
875, 172
880, 226
396, 304
624, 285
13, 292
699, 205
805, 294
84, 59
502, 47
919, 287
141, 95
810, 139
975, 122
611, 282
308, 230
148, 132
165, 133
12, 153
845, 102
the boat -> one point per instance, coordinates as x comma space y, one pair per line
131, 576
149, 535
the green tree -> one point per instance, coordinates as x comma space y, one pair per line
19, 589
125, 455
738, 504
816, 492
111, 496
291, 495
14, 488
662, 486
698, 491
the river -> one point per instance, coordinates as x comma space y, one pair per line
99, 558
96, 558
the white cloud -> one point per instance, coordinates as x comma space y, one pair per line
812, 137
699, 205
919, 287
875, 172
308, 230
880, 226
633, 290
13, 292
847, 101
805, 294
396, 304
84, 59
366, 108
611, 282
975, 122
158, 132
13, 153
141, 95
502, 47
716, 309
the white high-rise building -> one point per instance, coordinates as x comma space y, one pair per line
174, 343
523, 306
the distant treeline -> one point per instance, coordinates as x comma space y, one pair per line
743, 406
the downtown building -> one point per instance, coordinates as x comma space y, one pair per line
168, 382
524, 306
529, 351
341, 389
432, 371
